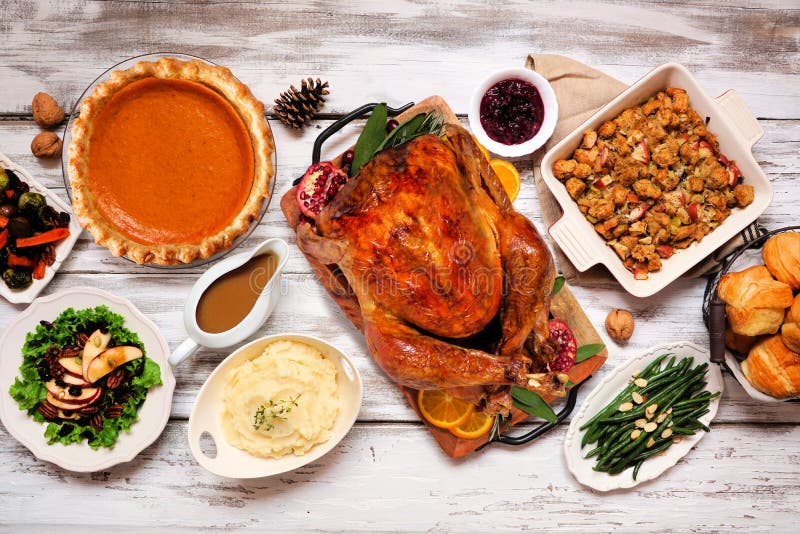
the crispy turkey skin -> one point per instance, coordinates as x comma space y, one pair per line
435, 255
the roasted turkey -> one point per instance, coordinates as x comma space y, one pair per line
450, 285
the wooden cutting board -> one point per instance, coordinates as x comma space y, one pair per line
564, 305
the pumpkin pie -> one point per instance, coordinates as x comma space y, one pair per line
169, 161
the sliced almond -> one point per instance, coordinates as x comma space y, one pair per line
667, 433
641, 382
660, 418
650, 443
637, 398
670, 410
669, 424
677, 439
626, 407
634, 375
640, 423
650, 427
636, 433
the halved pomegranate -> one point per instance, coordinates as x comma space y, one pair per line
566, 346
318, 186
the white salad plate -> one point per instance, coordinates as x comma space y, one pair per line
80, 457
737, 131
63, 249
607, 390
206, 417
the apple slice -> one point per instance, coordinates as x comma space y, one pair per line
75, 380
62, 415
72, 365
64, 394
94, 346
109, 360
693, 210
64, 405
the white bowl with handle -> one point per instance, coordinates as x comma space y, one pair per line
737, 131
205, 421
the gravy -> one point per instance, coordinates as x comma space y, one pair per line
230, 298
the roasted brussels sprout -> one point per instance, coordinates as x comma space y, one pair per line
47, 219
17, 278
31, 203
4, 181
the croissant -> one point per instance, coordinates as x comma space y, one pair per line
755, 302
781, 254
772, 368
790, 331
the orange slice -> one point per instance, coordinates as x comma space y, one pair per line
475, 426
441, 409
508, 175
482, 148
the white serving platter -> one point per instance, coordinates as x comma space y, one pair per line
153, 413
63, 249
737, 130
612, 384
206, 417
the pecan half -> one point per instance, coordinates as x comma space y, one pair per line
89, 410
115, 379
97, 423
114, 411
81, 339
49, 411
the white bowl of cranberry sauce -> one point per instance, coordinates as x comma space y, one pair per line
513, 112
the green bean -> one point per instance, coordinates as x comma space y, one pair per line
636, 469
612, 406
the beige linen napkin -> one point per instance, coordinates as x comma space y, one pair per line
581, 91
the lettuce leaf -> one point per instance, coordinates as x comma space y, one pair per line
29, 390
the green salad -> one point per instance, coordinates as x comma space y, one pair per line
85, 375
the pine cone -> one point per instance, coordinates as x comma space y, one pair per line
296, 107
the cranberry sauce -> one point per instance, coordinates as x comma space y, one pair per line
512, 111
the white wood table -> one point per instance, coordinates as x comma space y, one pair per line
388, 473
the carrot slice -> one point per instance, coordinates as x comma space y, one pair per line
20, 261
3, 238
45, 237
38, 271
3, 221
9, 193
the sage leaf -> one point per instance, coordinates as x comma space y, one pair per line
372, 136
557, 285
587, 351
532, 403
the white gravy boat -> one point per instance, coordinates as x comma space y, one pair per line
253, 320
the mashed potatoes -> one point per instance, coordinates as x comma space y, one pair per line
283, 401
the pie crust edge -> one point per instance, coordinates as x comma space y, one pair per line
250, 109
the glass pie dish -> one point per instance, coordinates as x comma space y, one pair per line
68, 139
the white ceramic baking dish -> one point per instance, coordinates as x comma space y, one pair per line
737, 130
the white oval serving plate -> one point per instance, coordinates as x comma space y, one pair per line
62, 249
206, 417
612, 384
153, 414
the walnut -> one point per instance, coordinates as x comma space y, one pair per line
46, 145
619, 325
46, 111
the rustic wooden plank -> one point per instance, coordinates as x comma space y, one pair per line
739, 478
306, 308
359, 46
776, 152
